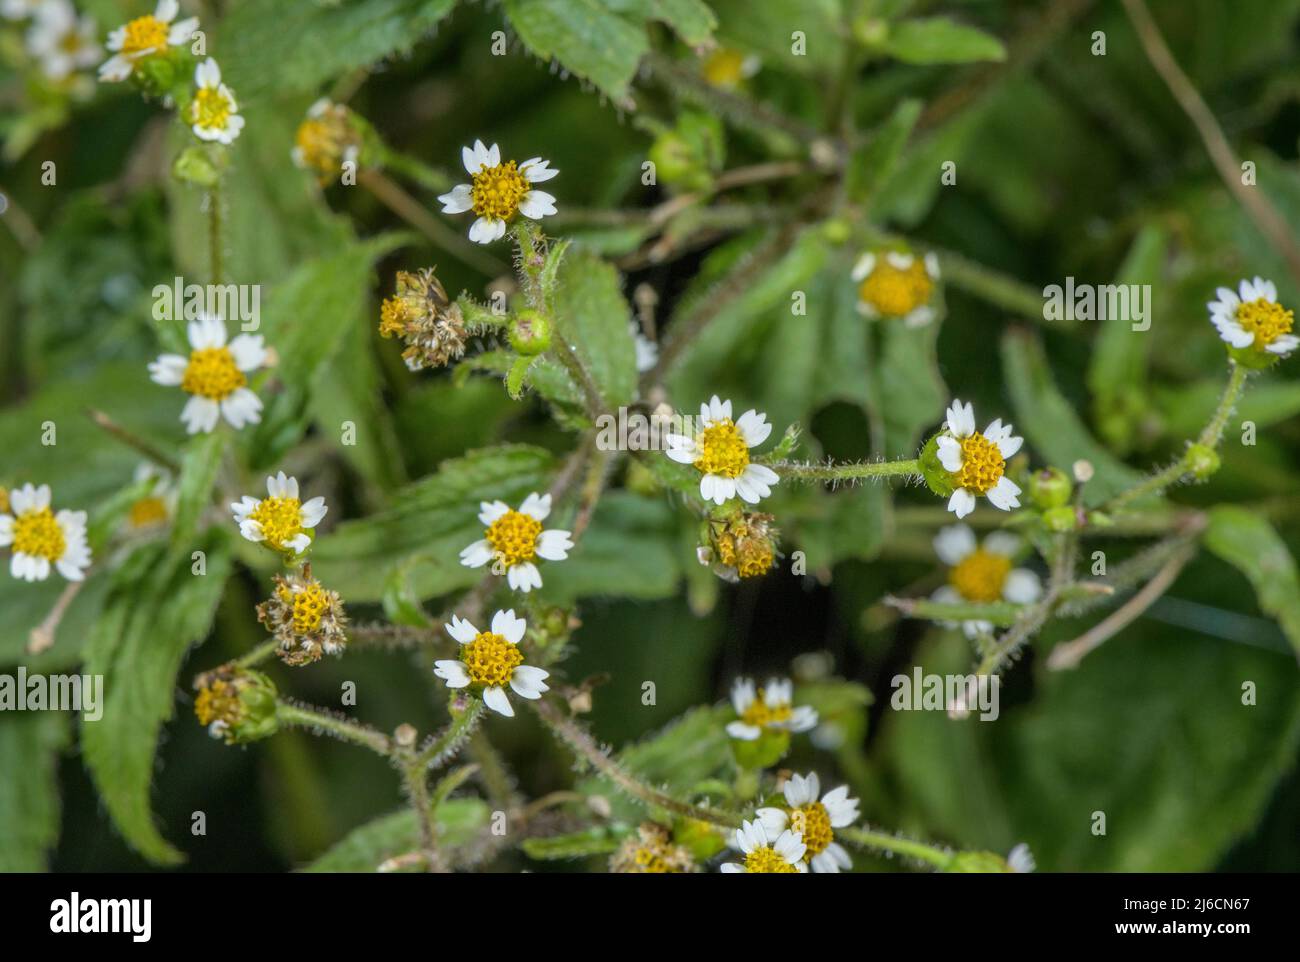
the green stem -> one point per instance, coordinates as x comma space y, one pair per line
448, 743
1213, 433
214, 231
430, 178
259, 654
894, 845
288, 713
847, 472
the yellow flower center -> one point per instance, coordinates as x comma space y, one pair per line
491, 660
813, 822
725, 68
513, 538
750, 552
38, 534
144, 34
982, 464
147, 512
218, 701
309, 607
894, 292
280, 519
393, 316
1265, 319
212, 373
765, 861
980, 575
760, 714
4, 501
497, 191
651, 862
724, 450
210, 109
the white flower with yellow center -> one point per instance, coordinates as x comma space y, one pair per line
155, 508
213, 113
897, 284
280, 520
982, 573
491, 660
767, 708
215, 374
39, 538
976, 463
783, 854
144, 37
62, 42
1255, 318
499, 191
515, 540
720, 451
815, 817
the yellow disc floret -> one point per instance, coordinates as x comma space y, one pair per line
982, 465
1265, 319
498, 191
723, 450
144, 34
309, 605
393, 317
210, 109
760, 714
765, 861
513, 538
725, 68
218, 702
212, 373
490, 660
38, 534
896, 292
980, 575
147, 512
280, 519
813, 822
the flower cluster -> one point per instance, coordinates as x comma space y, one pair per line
650, 850
422, 316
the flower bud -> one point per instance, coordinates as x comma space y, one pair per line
194, 165
1202, 460
1050, 488
236, 704
1061, 519
530, 332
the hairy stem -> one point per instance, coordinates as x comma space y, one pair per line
847, 472
317, 720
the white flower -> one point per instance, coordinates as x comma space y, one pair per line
40, 538
897, 284
982, 573
977, 462
785, 855
515, 540
1255, 318
144, 37
213, 113
1020, 859
215, 374
720, 451
767, 708
647, 351
814, 819
159, 504
499, 191
491, 660
281, 520
60, 41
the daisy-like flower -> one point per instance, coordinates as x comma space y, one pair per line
650, 850
491, 660
769, 708
39, 538
784, 855
280, 520
145, 37
982, 572
215, 374
213, 113
325, 140
720, 451
305, 617
743, 547
976, 463
156, 507
897, 284
515, 540
499, 191
815, 817
1254, 319
61, 41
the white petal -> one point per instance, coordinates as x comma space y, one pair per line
863, 268
754, 428
207, 74
1008, 446
496, 699
1284, 345
949, 451
724, 489
241, 407
458, 200
742, 695
961, 419
554, 545
954, 543
1003, 543
249, 351
312, 511
899, 260
790, 846
961, 503
1022, 586
536, 506
529, 682
476, 555
509, 627
452, 672
166, 10
537, 204
490, 511
743, 732
461, 630
537, 170
842, 809
6, 530
200, 414
773, 820
1005, 494
484, 230
168, 370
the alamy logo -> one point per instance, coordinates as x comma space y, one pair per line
23, 692
634, 431
1092, 302
955, 694
95, 916
179, 301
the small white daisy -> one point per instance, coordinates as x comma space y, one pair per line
977, 462
897, 284
155, 508
40, 538
491, 660
215, 374
280, 520
61, 41
769, 707
784, 855
213, 113
1255, 318
144, 37
499, 191
815, 819
515, 540
720, 451
982, 573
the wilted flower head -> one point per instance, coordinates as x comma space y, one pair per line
650, 850
743, 546
236, 704
305, 617
325, 139
422, 315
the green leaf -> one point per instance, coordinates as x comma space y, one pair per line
156, 611
585, 36
912, 394
458, 822
199, 467
30, 744
876, 161
941, 40
591, 314
1248, 543
593, 841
